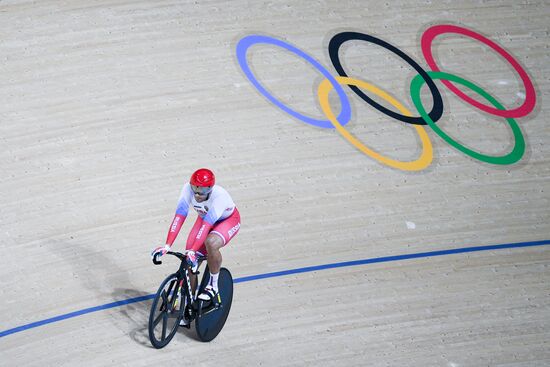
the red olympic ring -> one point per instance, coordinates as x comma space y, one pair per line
530, 95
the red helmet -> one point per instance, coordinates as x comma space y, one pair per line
203, 177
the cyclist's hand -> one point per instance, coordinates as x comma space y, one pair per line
192, 261
159, 251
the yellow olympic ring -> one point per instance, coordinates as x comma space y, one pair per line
427, 151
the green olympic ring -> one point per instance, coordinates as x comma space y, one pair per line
519, 144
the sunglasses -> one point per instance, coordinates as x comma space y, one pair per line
201, 191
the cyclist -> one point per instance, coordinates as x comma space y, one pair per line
217, 223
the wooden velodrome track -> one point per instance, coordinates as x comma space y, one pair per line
108, 106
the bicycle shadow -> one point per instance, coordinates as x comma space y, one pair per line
137, 314
131, 319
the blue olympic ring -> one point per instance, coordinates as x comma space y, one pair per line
245, 43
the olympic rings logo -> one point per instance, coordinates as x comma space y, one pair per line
424, 77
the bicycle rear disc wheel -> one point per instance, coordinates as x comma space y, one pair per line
210, 320
166, 312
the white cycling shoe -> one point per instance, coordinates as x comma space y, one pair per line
208, 294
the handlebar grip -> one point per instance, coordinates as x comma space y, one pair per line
155, 260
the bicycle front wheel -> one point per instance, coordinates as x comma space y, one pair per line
166, 311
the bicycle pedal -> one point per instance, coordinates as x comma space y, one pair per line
187, 326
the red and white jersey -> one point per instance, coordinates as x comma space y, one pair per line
217, 207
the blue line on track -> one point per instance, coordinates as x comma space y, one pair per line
283, 273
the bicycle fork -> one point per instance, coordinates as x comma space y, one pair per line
189, 295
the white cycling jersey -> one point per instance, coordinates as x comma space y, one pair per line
217, 207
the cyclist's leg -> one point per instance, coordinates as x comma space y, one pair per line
227, 228
218, 237
213, 245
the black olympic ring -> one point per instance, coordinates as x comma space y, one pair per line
340, 38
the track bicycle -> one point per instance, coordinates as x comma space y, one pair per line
175, 300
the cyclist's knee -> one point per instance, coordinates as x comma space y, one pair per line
213, 242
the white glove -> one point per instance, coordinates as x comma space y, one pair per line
161, 250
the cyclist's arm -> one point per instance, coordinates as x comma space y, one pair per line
214, 214
181, 213
207, 224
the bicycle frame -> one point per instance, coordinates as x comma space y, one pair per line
185, 278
